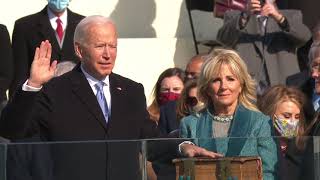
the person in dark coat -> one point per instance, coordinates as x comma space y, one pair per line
66, 109
31, 30
267, 39
6, 64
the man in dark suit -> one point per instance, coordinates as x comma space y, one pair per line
307, 80
267, 39
29, 31
6, 64
66, 108
309, 170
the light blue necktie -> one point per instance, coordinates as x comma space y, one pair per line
316, 101
102, 100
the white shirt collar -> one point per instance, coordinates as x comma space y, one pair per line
93, 81
106, 88
264, 19
53, 19
315, 100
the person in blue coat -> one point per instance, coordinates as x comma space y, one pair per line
230, 124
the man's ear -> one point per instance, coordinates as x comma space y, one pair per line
78, 50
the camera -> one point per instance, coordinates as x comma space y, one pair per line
262, 2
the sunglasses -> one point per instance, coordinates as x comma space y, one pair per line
191, 101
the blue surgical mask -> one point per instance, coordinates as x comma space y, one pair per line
58, 5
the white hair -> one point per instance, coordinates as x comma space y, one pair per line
81, 30
315, 47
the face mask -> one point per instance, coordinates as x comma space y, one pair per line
286, 127
58, 5
168, 96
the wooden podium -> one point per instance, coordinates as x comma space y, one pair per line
227, 168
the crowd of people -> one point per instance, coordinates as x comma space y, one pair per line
248, 97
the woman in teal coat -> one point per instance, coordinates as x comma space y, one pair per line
230, 123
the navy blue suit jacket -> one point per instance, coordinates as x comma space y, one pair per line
66, 109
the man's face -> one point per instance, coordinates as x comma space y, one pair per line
315, 71
98, 53
58, 5
193, 69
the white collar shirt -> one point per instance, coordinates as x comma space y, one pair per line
106, 88
53, 21
53, 18
262, 22
315, 100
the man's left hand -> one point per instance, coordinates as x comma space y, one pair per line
270, 9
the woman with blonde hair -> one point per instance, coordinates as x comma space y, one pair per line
230, 115
285, 105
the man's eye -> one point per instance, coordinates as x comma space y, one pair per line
112, 46
100, 46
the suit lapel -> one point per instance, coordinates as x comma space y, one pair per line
204, 132
116, 92
254, 26
271, 26
205, 126
82, 89
239, 131
69, 31
47, 32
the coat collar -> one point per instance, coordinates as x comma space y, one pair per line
261, 40
82, 89
241, 122
47, 32
239, 127
117, 92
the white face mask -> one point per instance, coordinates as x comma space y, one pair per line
286, 127
58, 5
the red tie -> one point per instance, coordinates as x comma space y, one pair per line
59, 29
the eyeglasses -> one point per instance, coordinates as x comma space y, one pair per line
315, 67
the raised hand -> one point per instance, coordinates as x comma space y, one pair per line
270, 9
41, 69
253, 7
191, 151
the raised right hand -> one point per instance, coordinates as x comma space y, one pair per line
253, 7
41, 70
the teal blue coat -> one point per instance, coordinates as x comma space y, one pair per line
250, 134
